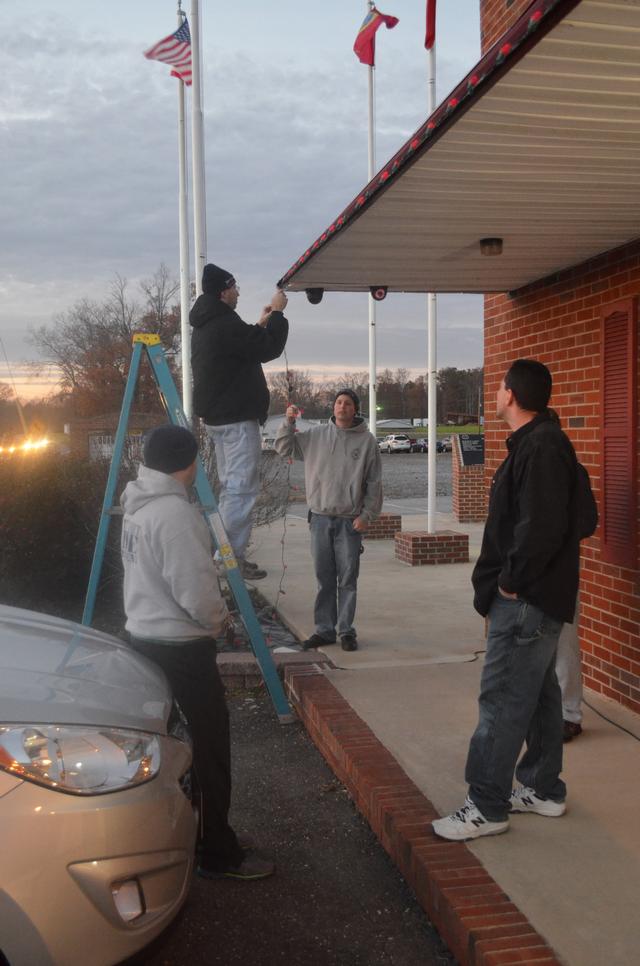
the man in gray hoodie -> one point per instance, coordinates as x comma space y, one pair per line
343, 481
174, 612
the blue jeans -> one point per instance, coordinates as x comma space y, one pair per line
335, 548
519, 701
238, 453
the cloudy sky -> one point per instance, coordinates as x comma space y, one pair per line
89, 169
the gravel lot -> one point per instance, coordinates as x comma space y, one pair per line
336, 898
404, 475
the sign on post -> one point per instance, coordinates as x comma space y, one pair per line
472, 448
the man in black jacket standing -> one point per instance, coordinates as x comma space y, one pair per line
525, 582
230, 394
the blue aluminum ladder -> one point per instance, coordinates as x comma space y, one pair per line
175, 414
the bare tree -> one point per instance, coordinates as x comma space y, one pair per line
91, 344
294, 386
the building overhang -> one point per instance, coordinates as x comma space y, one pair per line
538, 146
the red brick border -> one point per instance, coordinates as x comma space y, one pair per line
476, 919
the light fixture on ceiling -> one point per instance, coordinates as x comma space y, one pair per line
491, 246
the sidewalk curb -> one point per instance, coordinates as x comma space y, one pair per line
474, 917
240, 669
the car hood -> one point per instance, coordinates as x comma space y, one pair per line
53, 671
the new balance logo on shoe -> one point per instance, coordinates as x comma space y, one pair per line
467, 823
525, 800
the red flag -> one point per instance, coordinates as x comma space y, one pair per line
365, 45
175, 50
430, 38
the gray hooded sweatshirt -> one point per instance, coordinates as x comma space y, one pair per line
342, 468
171, 591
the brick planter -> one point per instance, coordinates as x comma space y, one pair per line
385, 527
417, 547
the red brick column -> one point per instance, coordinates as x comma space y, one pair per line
418, 547
385, 527
469, 500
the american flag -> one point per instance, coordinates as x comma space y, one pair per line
175, 50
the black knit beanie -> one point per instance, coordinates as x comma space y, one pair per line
169, 449
352, 395
215, 280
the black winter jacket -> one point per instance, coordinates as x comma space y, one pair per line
531, 542
226, 356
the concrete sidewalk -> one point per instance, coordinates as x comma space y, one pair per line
414, 682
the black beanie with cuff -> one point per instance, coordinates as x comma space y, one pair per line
215, 280
169, 449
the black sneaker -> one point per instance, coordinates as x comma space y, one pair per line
349, 642
251, 571
570, 730
253, 866
316, 640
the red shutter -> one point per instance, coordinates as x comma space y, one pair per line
618, 459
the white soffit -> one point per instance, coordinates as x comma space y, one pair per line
548, 159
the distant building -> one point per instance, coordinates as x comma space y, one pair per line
94, 436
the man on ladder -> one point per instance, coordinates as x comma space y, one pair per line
174, 612
230, 394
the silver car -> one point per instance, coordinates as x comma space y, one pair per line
98, 831
396, 443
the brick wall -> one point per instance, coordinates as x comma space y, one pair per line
557, 321
469, 493
496, 16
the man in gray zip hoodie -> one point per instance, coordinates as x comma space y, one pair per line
343, 481
174, 612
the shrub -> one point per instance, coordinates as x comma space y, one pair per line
49, 515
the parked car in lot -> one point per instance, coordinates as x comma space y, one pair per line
423, 446
98, 828
447, 444
395, 443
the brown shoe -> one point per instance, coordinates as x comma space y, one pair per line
570, 730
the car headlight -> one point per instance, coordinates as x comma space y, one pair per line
78, 759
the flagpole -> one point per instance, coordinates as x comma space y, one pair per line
373, 379
185, 286
432, 365
197, 151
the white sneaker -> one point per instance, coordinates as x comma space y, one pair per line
467, 823
524, 799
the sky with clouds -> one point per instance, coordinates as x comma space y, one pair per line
89, 161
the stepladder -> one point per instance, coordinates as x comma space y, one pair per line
151, 346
